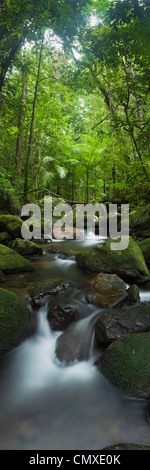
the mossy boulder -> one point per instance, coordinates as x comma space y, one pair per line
145, 248
129, 264
26, 247
141, 221
15, 321
116, 323
133, 293
12, 262
11, 224
4, 238
126, 364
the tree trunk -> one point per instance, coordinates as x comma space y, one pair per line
6, 64
20, 127
32, 122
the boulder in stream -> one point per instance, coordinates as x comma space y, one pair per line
115, 323
129, 264
125, 363
12, 262
15, 321
60, 315
141, 221
145, 248
108, 290
26, 247
11, 224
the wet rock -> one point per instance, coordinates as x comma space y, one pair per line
74, 343
145, 248
133, 293
129, 264
26, 247
117, 323
60, 315
108, 290
15, 321
141, 221
47, 296
11, 224
4, 238
125, 363
12, 262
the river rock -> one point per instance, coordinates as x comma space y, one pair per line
74, 343
11, 224
114, 324
60, 315
26, 247
133, 293
4, 238
129, 264
125, 363
107, 290
145, 248
47, 296
141, 221
12, 262
15, 321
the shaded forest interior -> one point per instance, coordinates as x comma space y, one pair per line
75, 101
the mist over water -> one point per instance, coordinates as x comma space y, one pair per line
50, 405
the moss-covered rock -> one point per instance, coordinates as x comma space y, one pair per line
145, 248
4, 238
15, 321
11, 224
129, 264
126, 364
141, 221
11, 262
26, 247
113, 324
133, 293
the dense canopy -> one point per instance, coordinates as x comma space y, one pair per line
75, 100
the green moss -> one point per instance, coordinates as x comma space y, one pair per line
26, 247
126, 363
145, 248
11, 224
128, 264
14, 320
11, 262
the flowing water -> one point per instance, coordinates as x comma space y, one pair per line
50, 405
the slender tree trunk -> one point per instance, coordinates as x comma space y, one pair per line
20, 126
73, 184
87, 183
32, 123
6, 64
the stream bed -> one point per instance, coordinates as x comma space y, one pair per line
48, 405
